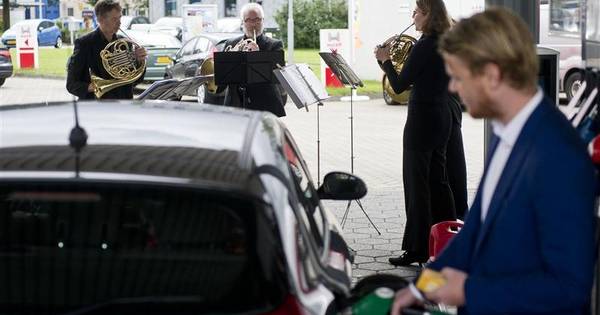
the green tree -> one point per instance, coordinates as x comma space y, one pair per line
309, 17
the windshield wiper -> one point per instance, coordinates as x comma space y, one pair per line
148, 301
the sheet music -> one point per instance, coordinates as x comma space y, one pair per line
301, 84
341, 69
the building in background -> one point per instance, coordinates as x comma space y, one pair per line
33, 9
227, 8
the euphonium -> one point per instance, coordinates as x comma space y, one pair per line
242, 45
207, 69
400, 47
118, 59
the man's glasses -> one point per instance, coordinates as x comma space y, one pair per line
253, 20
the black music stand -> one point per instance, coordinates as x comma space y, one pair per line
304, 89
348, 77
245, 68
169, 89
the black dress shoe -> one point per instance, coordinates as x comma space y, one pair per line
408, 258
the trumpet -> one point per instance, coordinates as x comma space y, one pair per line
119, 60
243, 44
400, 47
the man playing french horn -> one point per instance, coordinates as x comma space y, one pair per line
86, 62
263, 96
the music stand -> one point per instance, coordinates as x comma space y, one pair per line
304, 89
245, 68
348, 77
173, 88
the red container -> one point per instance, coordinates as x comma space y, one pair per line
441, 233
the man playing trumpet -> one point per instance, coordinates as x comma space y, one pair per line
263, 96
86, 55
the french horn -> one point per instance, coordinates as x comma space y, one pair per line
400, 47
119, 60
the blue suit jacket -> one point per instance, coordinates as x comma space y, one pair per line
534, 253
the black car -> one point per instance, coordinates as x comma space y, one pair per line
6, 67
189, 59
163, 208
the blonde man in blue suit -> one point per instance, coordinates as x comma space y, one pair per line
527, 246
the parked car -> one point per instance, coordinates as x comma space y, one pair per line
161, 48
6, 67
128, 21
168, 24
48, 34
188, 60
165, 208
569, 46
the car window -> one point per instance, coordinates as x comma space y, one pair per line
187, 49
140, 20
201, 45
145, 241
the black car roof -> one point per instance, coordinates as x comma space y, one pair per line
196, 142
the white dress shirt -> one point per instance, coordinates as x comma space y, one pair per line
508, 135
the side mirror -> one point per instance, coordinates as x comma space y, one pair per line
342, 186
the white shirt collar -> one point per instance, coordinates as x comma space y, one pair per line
510, 132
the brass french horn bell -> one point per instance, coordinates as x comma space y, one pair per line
119, 60
400, 47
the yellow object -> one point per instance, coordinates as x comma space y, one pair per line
430, 280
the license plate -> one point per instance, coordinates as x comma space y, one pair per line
163, 60
11, 41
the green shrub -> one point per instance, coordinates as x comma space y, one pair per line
309, 17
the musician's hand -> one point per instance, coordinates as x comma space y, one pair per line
91, 88
251, 46
403, 298
382, 53
140, 54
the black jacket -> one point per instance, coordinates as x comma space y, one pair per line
86, 58
262, 96
429, 117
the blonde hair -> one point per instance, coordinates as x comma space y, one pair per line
438, 21
496, 36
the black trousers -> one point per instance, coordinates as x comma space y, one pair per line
456, 167
427, 196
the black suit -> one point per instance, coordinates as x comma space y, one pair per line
263, 96
86, 58
427, 194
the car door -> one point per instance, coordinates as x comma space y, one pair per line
48, 33
42, 35
315, 214
330, 263
182, 59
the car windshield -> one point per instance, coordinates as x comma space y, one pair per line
65, 247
